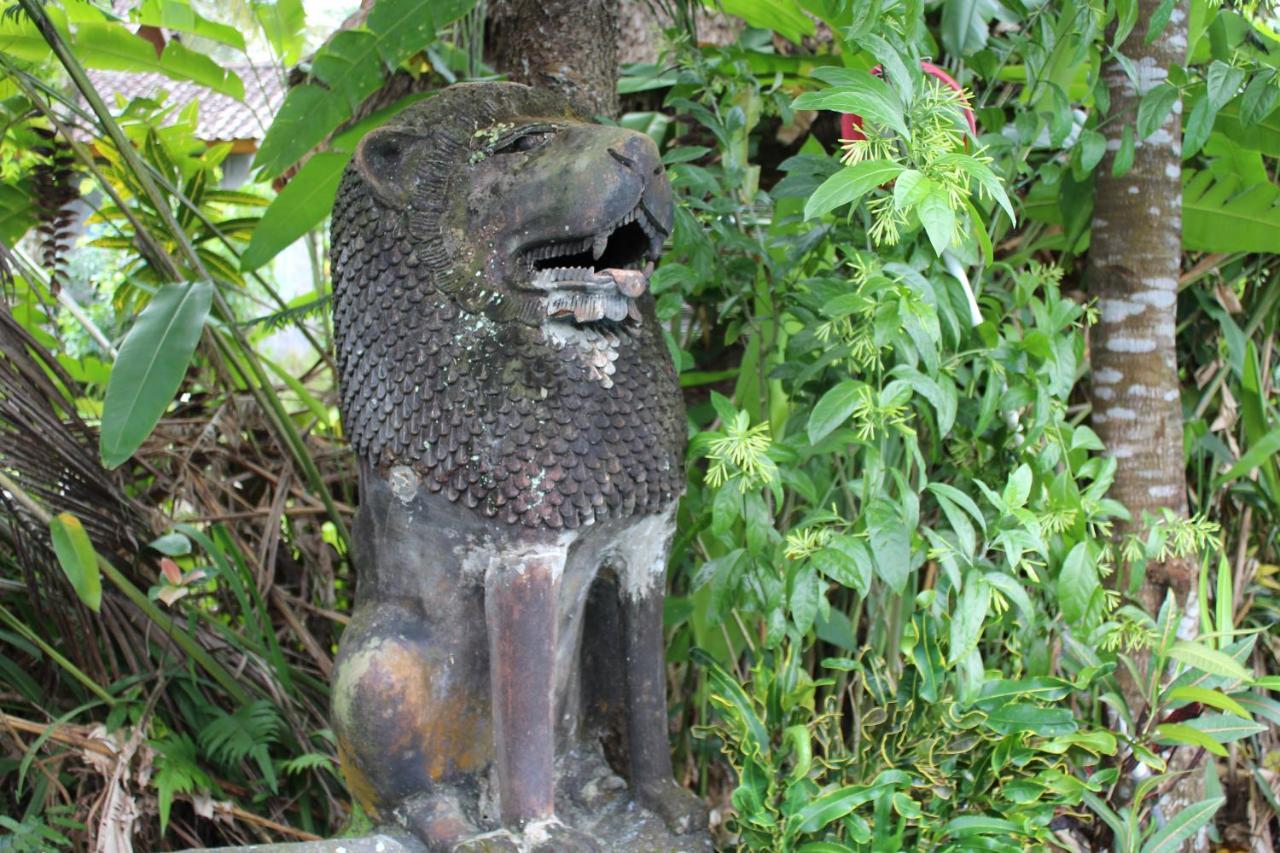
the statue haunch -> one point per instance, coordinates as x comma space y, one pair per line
520, 433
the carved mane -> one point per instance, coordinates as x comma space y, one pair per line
438, 371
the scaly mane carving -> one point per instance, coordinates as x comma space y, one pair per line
443, 369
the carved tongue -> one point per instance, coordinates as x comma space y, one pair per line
629, 282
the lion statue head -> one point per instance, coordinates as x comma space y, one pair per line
490, 253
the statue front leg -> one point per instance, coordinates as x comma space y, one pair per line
521, 609
652, 780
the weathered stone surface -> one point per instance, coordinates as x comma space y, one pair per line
520, 429
382, 843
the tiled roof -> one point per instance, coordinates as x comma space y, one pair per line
222, 118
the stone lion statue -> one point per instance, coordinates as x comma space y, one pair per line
520, 435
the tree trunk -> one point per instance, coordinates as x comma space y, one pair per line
1134, 264
568, 46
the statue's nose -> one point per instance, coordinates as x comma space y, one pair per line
638, 153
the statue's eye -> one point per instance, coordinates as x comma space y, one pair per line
529, 140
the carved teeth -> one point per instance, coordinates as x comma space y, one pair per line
597, 246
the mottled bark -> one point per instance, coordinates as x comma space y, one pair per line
1134, 263
568, 46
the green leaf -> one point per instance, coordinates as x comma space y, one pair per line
1198, 127
1208, 660
1042, 688
301, 206
1077, 583
149, 369
1154, 108
283, 22
960, 499
1017, 717
968, 825
987, 180
965, 25
1225, 728
77, 558
351, 65
969, 616
1222, 82
178, 15
1259, 97
938, 218
833, 409
1183, 826
890, 543
1221, 214
849, 185
112, 47
1205, 696
1092, 146
1262, 451
860, 93
1123, 162
348, 65
784, 17
1159, 19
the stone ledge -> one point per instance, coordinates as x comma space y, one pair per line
381, 843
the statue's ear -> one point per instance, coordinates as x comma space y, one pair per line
387, 157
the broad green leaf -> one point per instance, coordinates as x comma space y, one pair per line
1259, 97
967, 825
837, 803
1225, 728
1262, 451
301, 206
850, 184
1220, 214
178, 15
960, 499
1222, 82
968, 618
306, 117
784, 17
860, 93
407, 26
283, 22
1010, 587
77, 558
833, 409
965, 25
1123, 162
938, 218
1042, 688
890, 543
1077, 583
1159, 19
350, 66
1018, 717
1183, 826
112, 47
1092, 146
1263, 134
1197, 128
149, 369
1205, 696
1154, 108
1208, 660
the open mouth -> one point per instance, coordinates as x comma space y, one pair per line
598, 277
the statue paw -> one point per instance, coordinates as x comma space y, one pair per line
680, 809
500, 841
552, 836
